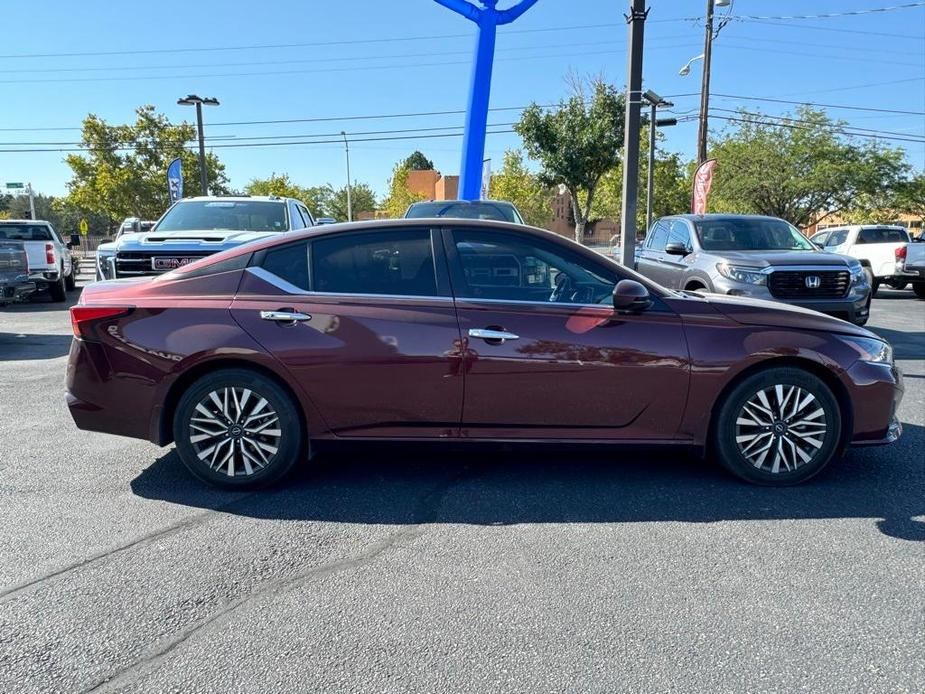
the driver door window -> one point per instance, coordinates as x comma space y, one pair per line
502, 267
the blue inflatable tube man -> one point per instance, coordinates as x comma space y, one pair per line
488, 18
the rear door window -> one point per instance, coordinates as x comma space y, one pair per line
289, 263
25, 232
882, 235
392, 263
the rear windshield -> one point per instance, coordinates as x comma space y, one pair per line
498, 212
750, 235
225, 215
882, 235
25, 232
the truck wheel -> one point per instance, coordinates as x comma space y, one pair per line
70, 282
897, 284
57, 290
874, 286
919, 289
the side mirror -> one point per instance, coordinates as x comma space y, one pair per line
629, 296
75, 241
136, 226
675, 248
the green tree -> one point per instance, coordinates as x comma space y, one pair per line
123, 172
416, 161
910, 196
515, 183
399, 196
802, 169
577, 143
362, 199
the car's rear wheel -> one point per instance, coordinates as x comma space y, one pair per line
919, 289
238, 429
70, 282
778, 427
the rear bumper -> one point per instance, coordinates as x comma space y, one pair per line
16, 291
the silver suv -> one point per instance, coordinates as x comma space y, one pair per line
753, 256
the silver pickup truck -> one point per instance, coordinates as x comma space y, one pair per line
910, 261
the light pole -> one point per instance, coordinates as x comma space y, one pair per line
636, 19
198, 101
655, 102
349, 194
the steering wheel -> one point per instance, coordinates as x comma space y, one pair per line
562, 290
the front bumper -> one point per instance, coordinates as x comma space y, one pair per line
853, 307
876, 391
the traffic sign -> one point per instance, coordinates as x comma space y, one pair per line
15, 185
84, 227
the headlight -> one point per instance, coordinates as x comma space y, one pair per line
870, 350
737, 273
103, 263
858, 276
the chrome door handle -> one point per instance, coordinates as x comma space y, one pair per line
487, 334
285, 316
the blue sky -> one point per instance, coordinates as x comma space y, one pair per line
368, 57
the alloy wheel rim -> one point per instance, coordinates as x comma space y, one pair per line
781, 428
235, 431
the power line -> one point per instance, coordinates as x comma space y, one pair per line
847, 129
803, 54
839, 30
793, 126
830, 15
821, 105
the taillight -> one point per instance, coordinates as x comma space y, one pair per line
83, 317
49, 254
900, 253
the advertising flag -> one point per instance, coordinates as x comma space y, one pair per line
175, 180
703, 180
486, 178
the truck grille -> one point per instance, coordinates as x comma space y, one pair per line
138, 263
809, 284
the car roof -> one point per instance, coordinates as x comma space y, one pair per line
463, 202
238, 198
25, 221
719, 217
858, 227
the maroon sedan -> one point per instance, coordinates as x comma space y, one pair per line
461, 330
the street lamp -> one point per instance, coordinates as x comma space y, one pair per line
686, 70
349, 200
655, 102
198, 101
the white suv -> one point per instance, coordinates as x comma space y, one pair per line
875, 245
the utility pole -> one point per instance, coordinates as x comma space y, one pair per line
705, 85
349, 195
197, 101
636, 20
31, 201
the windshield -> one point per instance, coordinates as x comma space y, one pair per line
750, 235
499, 212
25, 232
226, 215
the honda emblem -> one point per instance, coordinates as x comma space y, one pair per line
813, 282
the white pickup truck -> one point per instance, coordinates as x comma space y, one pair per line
912, 266
877, 246
50, 263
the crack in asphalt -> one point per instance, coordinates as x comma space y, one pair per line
427, 511
13, 590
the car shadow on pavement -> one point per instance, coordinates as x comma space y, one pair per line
907, 344
26, 347
398, 485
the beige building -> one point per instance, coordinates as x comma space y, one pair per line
432, 185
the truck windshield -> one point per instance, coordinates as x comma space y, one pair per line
750, 235
226, 215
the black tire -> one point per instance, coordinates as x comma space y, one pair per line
727, 429
919, 289
897, 284
57, 290
70, 282
288, 436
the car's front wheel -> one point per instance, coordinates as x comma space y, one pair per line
238, 429
778, 427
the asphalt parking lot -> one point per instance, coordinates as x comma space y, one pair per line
391, 570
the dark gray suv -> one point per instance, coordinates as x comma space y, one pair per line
753, 256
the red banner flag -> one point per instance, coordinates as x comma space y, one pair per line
703, 179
